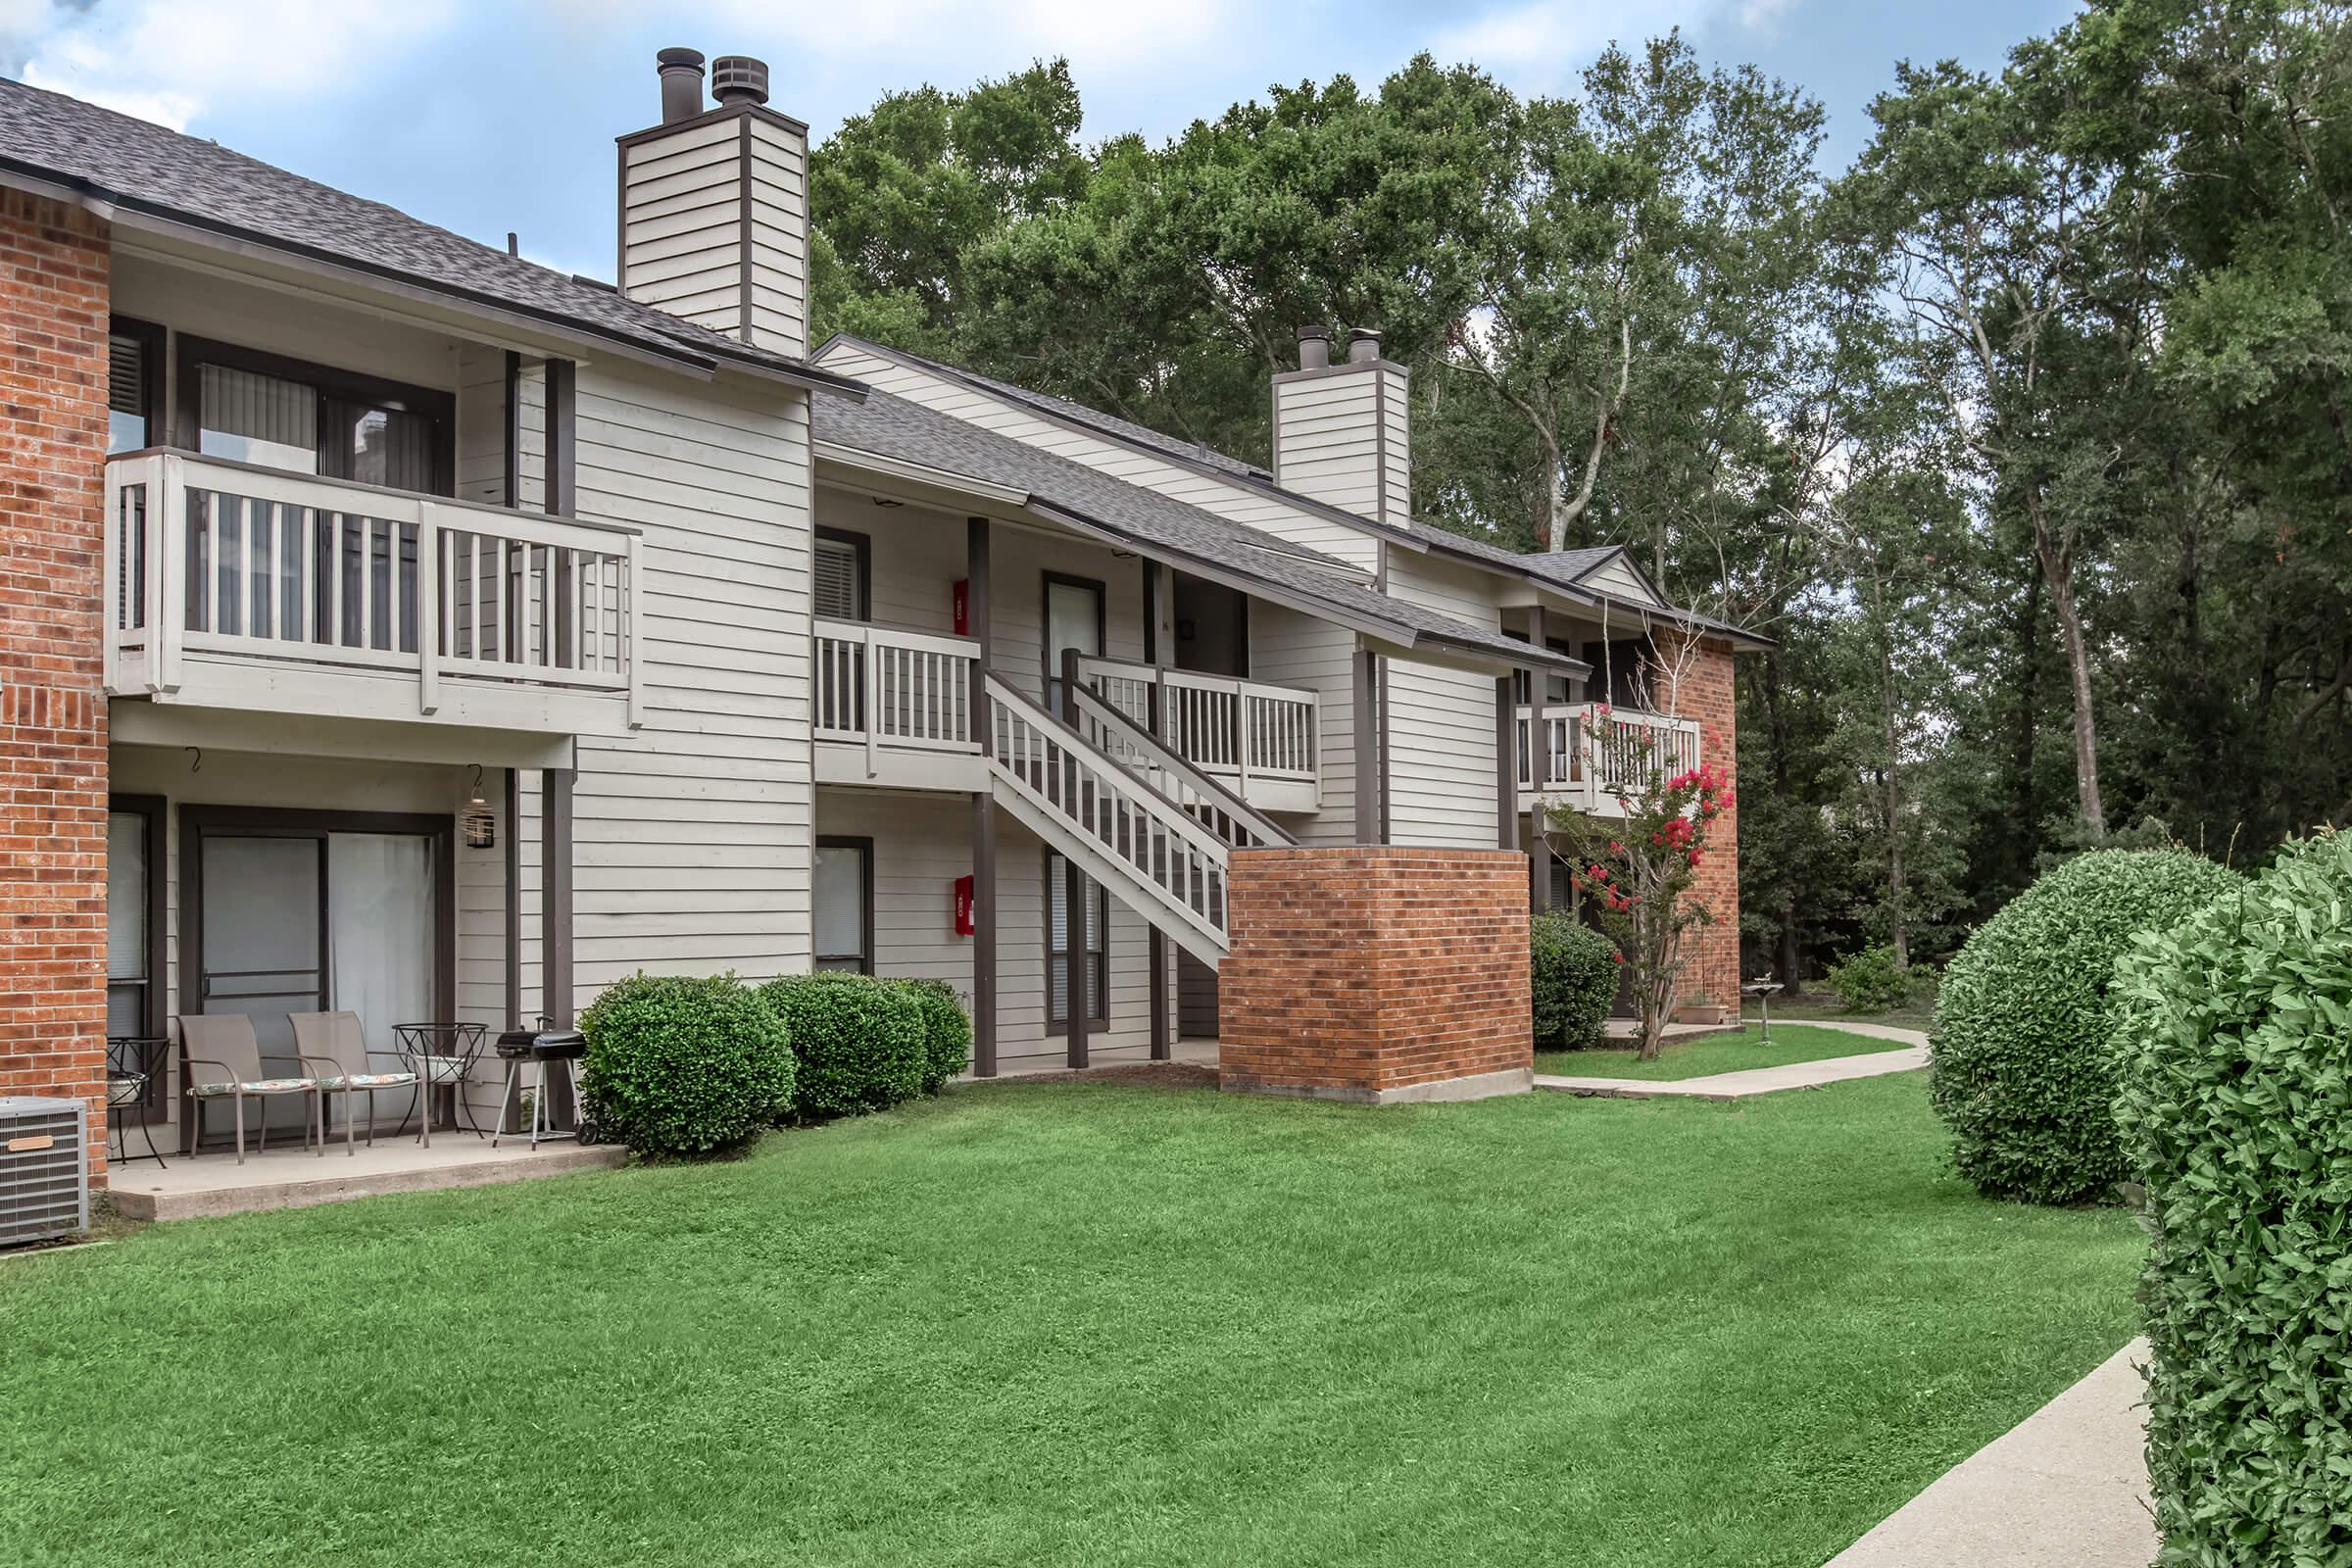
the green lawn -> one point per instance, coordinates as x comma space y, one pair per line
1918, 1013
1713, 1053
1074, 1323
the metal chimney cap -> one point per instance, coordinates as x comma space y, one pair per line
1363, 346
681, 71
1314, 347
739, 80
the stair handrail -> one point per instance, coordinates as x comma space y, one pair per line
1182, 835
1264, 830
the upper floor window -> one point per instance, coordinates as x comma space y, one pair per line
133, 381
265, 408
842, 587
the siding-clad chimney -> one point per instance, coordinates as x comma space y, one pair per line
1340, 431
715, 206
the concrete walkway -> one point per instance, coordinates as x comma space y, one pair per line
1753, 1081
2066, 1489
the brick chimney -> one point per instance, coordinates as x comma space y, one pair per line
715, 206
1340, 431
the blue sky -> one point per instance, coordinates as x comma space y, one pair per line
493, 117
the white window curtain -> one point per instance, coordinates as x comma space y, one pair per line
380, 930
126, 923
259, 418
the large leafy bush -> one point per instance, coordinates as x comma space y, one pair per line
2021, 1068
1574, 974
1869, 981
860, 1040
683, 1064
2233, 1042
947, 1031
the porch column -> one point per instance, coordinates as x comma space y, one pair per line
513, 811
555, 896
563, 437
1538, 765
1370, 803
1076, 908
1157, 633
1507, 761
984, 810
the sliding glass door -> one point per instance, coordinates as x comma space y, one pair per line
314, 911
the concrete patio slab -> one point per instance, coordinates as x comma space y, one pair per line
2068, 1488
294, 1178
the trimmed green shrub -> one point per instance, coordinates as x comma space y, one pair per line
947, 1031
1573, 977
2021, 1068
2233, 1044
860, 1040
681, 1064
1869, 981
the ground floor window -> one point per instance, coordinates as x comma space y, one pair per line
1096, 930
845, 904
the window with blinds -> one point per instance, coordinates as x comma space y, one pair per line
126, 392
842, 918
265, 419
840, 580
1096, 905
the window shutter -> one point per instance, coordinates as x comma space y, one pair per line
836, 581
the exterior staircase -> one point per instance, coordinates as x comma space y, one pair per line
1129, 812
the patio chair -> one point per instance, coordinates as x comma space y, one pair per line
223, 1061
334, 1046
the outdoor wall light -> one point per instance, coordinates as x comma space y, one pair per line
479, 822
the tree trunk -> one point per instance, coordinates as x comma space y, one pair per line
2058, 569
1898, 933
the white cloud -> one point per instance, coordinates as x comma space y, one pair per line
1544, 42
169, 60
1107, 33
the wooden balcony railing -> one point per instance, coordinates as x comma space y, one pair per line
224, 577
895, 691
1258, 740
1592, 761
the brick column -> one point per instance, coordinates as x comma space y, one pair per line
1375, 974
53, 417
1711, 972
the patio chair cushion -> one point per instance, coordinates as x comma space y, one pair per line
257, 1086
368, 1080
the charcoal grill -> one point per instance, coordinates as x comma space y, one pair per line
540, 1051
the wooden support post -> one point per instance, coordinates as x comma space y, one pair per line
1370, 812
1075, 909
512, 827
1506, 761
555, 896
984, 809
1156, 630
1538, 771
563, 437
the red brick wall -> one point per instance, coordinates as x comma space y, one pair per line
53, 377
1712, 953
1375, 973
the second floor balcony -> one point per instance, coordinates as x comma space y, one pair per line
894, 709
1590, 759
236, 586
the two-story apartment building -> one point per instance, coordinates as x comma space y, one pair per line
391, 624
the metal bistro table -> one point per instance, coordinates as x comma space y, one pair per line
443, 1057
133, 1062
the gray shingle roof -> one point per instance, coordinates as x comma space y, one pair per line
893, 427
1572, 564
140, 165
